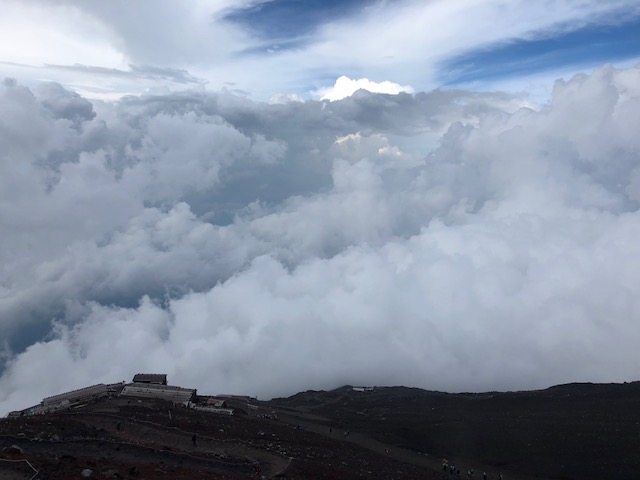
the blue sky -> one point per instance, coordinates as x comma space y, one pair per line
290, 20
295, 47
587, 46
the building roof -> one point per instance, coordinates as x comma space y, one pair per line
164, 392
222, 411
98, 389
157, 378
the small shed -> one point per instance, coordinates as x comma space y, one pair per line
163, 392
363, 389
152, 378
76, 396
216, 402
220, 411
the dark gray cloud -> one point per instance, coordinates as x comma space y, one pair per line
135, 72
271, 248
64, 104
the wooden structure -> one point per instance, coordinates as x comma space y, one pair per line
162, 392
152, 378
76, 396
220, 411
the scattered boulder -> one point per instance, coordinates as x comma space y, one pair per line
86, 473
14, 449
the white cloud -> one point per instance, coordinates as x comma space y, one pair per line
282, 98
56, 34
265, 249
345, 87
405, 41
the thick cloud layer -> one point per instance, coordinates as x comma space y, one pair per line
447, 240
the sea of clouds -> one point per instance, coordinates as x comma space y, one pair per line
449, 240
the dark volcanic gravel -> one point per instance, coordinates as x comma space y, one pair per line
575, 431
570, 432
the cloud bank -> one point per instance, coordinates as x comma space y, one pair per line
449, 240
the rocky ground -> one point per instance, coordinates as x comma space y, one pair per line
127, 439
567, 432
570, 432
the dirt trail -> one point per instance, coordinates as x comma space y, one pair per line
310, 423
221, 451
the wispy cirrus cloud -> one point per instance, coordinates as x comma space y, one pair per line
520, 57
259, 47
143, 72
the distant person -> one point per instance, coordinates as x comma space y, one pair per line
484, 475
194, 440
330, 430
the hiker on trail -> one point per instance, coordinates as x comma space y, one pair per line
484, 475
193, 439
330, 430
